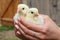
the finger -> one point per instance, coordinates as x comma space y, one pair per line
15, 22
18, 33
32, 33
32, 26
27, 36
20, 36
15, 28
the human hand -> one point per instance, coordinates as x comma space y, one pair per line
49, 30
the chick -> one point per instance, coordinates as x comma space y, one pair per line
21, 10
33, 16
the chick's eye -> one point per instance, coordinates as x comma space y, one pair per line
23, 8
32, 12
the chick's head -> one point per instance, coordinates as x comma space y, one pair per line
22, 8
33, 12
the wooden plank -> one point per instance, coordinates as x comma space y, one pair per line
7, 14
53, 9
4, 5
58, 12
0, 12
11, 12
24, 1
46, 7
0, 7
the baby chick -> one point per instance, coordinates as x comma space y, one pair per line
33, 16
21, 10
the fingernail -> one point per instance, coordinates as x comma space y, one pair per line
17, 26
16, 21
19, 18
18, 32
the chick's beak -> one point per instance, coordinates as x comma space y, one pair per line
36, 14
24, 15
18, 10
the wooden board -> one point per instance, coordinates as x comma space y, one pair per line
8, 9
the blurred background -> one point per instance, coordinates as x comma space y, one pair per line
8, 9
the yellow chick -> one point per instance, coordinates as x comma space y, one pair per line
21, 10
33, 16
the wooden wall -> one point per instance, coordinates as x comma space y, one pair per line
8, 9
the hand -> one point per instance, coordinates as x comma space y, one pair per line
49, 30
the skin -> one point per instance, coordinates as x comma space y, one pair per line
29, 31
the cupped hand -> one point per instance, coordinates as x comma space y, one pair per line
49, 30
